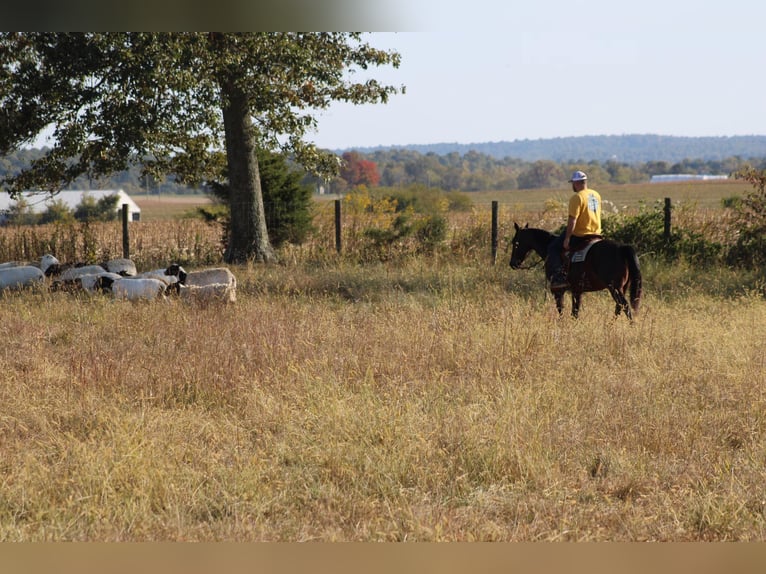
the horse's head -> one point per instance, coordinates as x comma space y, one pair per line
521, 245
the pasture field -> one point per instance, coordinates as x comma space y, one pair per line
699, 194
161, 207
425, 399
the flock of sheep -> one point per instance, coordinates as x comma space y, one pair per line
120, 278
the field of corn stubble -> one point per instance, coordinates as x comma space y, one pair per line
416, 398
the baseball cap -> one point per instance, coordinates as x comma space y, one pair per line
578, 176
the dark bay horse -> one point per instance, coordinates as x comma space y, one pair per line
607, 265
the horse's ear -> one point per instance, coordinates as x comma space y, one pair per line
516, 225
526, 226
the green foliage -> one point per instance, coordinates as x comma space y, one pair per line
91, 209
645, 231
287, 202
749, 249
425, 200
21, 213
57, 211
430, 232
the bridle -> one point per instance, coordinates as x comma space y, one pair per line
528, 267
522, 267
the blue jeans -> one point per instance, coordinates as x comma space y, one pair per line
553, 262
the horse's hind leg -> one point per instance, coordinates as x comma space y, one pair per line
621, 304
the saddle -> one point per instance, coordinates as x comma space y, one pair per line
574, 258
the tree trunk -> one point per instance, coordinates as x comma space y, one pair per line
248, 236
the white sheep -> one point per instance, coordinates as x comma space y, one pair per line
224, 292
9, 264
74, 272
214, 276
133, 288
20, 277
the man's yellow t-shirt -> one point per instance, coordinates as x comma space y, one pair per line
585, 207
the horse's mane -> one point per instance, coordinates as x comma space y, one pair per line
541, 234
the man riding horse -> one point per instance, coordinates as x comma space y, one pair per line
583, 225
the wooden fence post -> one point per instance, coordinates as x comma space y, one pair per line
337, 226
666, 232
494, 231
125, 236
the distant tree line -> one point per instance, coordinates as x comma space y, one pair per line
630, 148
470, 171
474, 171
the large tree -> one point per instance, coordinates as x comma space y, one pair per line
195, 105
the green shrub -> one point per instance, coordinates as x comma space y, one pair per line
645, 231
749, 248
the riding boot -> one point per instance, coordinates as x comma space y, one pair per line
554, 271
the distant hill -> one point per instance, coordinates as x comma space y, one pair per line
623, 148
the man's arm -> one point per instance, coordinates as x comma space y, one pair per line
570, 228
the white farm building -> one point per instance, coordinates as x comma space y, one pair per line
671, 177
38, 201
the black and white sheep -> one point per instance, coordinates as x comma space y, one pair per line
132, 288
66, 272
173, 276
92, 283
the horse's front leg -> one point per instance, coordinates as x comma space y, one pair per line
576, 298
558, 296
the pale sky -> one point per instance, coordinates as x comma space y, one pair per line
492, 70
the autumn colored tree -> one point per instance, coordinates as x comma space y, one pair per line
356, 170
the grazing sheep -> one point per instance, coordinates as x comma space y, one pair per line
224, 292
132, 288
121, 266
74, 272
51, 267
172, 274
48, 261
214, 276
20, 277
9, 264
90, 283
211, 275
171, 281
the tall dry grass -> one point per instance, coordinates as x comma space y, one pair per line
424, 398
424, 401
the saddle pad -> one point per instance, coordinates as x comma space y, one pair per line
579, 256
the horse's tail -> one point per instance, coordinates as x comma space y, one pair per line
634, 270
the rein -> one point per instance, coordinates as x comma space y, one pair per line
528, 267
